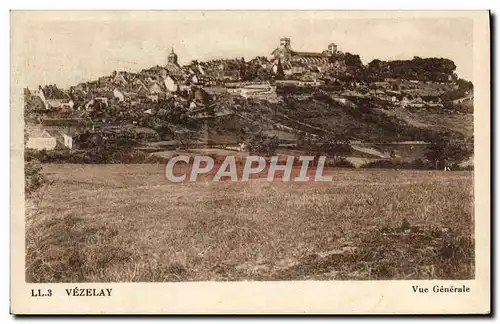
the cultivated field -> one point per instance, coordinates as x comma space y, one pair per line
126, 223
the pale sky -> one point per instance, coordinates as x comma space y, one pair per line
70, 47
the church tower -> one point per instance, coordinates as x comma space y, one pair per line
332, 48
285, 43
283, 52
172, 57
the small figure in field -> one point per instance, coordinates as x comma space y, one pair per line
447, 165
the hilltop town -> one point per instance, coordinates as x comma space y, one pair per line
290, 100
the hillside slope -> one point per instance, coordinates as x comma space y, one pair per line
319, 114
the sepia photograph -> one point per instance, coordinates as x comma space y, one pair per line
251, 147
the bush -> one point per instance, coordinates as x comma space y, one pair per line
418, 164
458, 167
265, 145
33, 177
343, 163
93, 157
153, 159
44, 156
383, 164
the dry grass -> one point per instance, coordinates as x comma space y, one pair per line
126, 223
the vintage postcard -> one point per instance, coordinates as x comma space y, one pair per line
250, 162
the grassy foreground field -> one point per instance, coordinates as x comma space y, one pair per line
126, 223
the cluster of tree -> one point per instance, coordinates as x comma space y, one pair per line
186, 137
254, 71
352, 60
423, 69
446, 151
452, 95
464, 88
32, 104
354, 68
52, 91
465, 85
262, 144
107, 145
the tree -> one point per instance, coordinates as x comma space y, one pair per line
243, 68
353, 67
280, 74
33, 177
186, 137
242, 135
52, 91
445, 150
32, 104
465, 85
352, 60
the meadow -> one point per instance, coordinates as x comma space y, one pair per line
122, 223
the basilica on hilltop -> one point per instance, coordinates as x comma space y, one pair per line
296, 62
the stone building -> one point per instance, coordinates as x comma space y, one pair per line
295, 62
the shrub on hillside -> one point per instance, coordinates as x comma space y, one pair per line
343, 163
262, 144
383, 164
33, 178
92, 157
458, 167
417, 164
